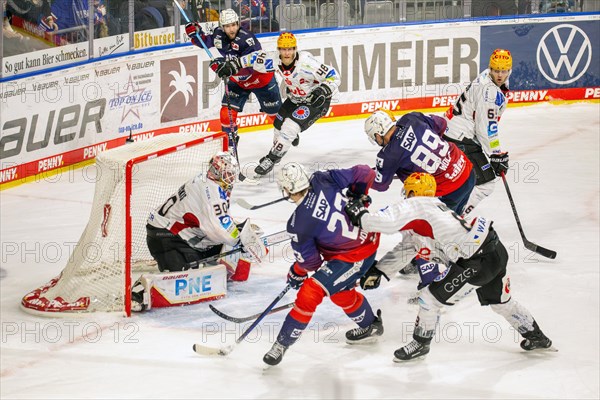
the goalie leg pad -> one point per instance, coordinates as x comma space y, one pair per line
186, 287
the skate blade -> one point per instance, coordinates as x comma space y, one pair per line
369, 340
399, 361
211, 351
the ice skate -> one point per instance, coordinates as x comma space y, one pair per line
275, 355
368, 334
411, 351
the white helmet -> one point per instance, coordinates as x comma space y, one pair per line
379, 123
227, 17
223, 169
292, 178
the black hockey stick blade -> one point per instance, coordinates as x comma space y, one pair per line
528, 245
239, 320
551, 254
244, 204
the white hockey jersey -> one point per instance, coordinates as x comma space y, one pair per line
434, 229
198, 213
476, 113
307, 73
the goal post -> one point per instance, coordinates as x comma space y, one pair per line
131, 180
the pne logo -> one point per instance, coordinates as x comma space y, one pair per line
197, 285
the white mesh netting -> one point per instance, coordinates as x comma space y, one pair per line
94, 277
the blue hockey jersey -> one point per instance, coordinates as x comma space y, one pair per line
319, 227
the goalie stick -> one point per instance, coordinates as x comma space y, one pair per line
250, 317
244, 204
528, 245
268, 240
223, 351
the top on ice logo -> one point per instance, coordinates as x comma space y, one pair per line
564, 45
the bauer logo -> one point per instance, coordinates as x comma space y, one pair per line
564, 54
178, 88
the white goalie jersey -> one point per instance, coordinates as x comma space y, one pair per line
307, 74
430, 229
476, 113
198, 213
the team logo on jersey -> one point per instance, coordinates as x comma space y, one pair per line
492, 128
235, 46
564, 45
222, 193
226, 221
410, 140
301, 112
322, 208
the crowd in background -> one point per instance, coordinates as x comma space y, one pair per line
59, 22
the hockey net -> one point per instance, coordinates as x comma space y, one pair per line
131, 180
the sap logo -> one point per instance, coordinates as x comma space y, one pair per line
410, 140
359, 318
322, 208
564, 45
70, 124
296, 333
193, 285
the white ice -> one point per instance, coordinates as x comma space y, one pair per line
554, 153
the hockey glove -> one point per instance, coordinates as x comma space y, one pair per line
366, 199
227, 68
499, 163
296, 276
355, 209
372, 278
194, 30
319, 96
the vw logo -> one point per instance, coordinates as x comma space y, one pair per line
564, 47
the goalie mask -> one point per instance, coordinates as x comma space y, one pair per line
379, 123
292, 179
419, 184
223, 169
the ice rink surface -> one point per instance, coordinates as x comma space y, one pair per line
554, 177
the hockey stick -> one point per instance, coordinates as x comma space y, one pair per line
268, 240
528, 245
244, 204
223, 351
231, 134
239, 320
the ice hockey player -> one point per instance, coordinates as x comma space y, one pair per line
473, 124
415, 143
309, 84
232, 42
324, 242
194, 224
475, 259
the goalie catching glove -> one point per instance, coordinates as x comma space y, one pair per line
250, 242
319, 96
225, 69
499, 163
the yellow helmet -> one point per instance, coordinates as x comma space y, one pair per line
501, 60
420, 184
286, 40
